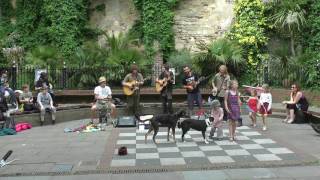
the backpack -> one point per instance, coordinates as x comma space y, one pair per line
3, 103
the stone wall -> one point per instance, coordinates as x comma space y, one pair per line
201, 20
119, 16
195, 20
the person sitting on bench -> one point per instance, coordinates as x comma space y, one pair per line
46, 104
102, 95
26, 98
297, 102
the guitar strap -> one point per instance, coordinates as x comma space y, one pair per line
218, 91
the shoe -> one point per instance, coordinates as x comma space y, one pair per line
206, 141
264, 128
53, 122
41, 123
285, 120
231, 139
290, 121
254, 125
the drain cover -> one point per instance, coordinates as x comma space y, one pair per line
62, 168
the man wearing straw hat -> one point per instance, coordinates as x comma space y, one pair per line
102, 95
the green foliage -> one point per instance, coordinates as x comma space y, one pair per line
313, 46
43, 57
58, 23
249, 29
221, 51
114, 60
156, 24
179, 59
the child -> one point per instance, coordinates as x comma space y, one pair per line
45, 103
26, 98
253, 107
232, 105
217, 115
264, 106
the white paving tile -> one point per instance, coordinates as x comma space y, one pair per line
120, 142
252, 146
243, 127
127, 134
143, 146
210, 148
237, 152
123, 162
186, 144
139, 137
220, 159
168, 149
267, 157
192, 154
264, 141
172, 161
279, 150
193, 132
225, 143
251, 133
147, 156
242, 138
198, 139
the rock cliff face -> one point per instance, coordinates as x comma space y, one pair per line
201, 20
195, 20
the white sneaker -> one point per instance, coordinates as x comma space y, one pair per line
290, 121
206, 141
254, 125
264, 128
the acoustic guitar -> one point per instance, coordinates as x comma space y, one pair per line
194, 84
129, 90
161, 84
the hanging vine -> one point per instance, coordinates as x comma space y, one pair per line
156, 22
249, 28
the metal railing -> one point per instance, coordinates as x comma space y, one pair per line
73, 78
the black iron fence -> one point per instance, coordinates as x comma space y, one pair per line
73, 78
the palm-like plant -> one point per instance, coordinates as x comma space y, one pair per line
221, 51
289, 18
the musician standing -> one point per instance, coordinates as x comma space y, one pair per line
190, 83
166, 81
133, 80
220, 84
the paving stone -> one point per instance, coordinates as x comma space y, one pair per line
172, 161
253, 173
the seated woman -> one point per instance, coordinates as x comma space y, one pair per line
297, 102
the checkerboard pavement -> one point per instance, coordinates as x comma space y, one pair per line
251, 147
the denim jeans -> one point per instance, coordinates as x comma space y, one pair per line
194, 98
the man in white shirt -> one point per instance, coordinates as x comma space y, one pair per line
102, 94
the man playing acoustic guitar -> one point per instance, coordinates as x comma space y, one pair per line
131, 86
190, 83
164, 85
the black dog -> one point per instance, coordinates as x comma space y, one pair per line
167, 120
199, 125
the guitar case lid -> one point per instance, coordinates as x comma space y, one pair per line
126, 121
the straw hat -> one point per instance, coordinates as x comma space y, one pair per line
215, 103
102, 79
